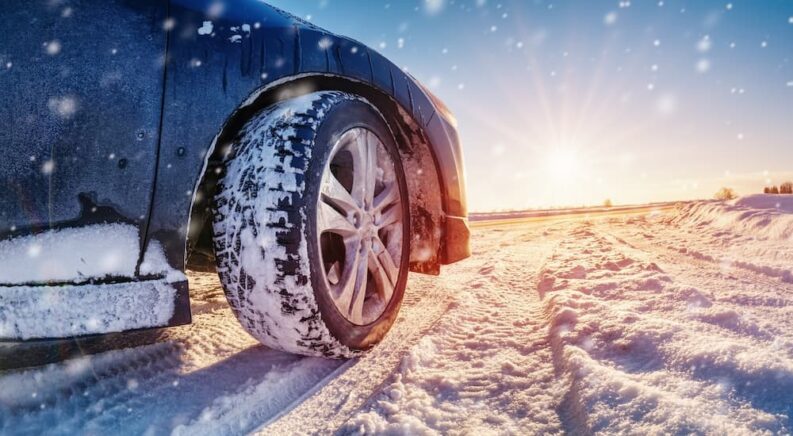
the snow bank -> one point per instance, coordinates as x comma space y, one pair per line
762, 216
782, 203
752, 233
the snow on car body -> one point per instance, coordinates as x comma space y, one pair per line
119, 120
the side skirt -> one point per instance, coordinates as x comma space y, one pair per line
63, 311
15, 353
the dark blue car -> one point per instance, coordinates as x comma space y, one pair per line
143, 137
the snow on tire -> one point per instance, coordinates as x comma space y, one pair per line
270, 211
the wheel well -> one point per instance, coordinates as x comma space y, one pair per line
418, 161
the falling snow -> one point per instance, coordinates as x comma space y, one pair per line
64, 107
206, 28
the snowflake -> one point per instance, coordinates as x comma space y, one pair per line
703, 65
64, 107
34, 250
325, 43
168, 24
206, 28
666, 104
52, 47
433, 7
216, 9
704, 44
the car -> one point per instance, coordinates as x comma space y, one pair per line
142, 138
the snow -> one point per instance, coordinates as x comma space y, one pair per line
206, 28
56, 311
79, 254
640, 337
629, 322
762, 216
782, 203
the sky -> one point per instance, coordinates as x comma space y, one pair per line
569, 103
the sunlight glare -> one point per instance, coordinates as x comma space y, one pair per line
563, 163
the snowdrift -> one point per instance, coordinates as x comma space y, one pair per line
762, 216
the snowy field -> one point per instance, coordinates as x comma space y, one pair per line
651, 321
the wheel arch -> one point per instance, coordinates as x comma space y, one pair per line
418, 155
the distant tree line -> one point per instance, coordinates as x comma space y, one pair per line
785, 188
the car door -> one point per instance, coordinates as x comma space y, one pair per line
81, 85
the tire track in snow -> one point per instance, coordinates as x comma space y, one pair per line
765, 386
485, 365
334, 399
150, 388
633, 359
192, 373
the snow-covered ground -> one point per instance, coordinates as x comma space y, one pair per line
674, 321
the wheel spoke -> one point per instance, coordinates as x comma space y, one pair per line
330, 220
386, 197
333, 192
356, 307
390, 216
384, 273
360, 158
387, 262
371, 168
349, 281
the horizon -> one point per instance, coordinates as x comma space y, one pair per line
633, 102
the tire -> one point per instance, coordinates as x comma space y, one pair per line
285, 273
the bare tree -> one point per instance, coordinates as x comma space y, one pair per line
786, 188
725, 194
774, 190
766, 190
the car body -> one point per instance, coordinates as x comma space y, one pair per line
116, 117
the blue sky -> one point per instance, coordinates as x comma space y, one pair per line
572, 102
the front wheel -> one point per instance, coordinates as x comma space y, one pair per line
311, 227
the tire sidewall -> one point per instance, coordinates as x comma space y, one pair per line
346, 115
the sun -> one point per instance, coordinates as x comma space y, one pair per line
563, 163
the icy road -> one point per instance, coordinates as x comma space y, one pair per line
659, 321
